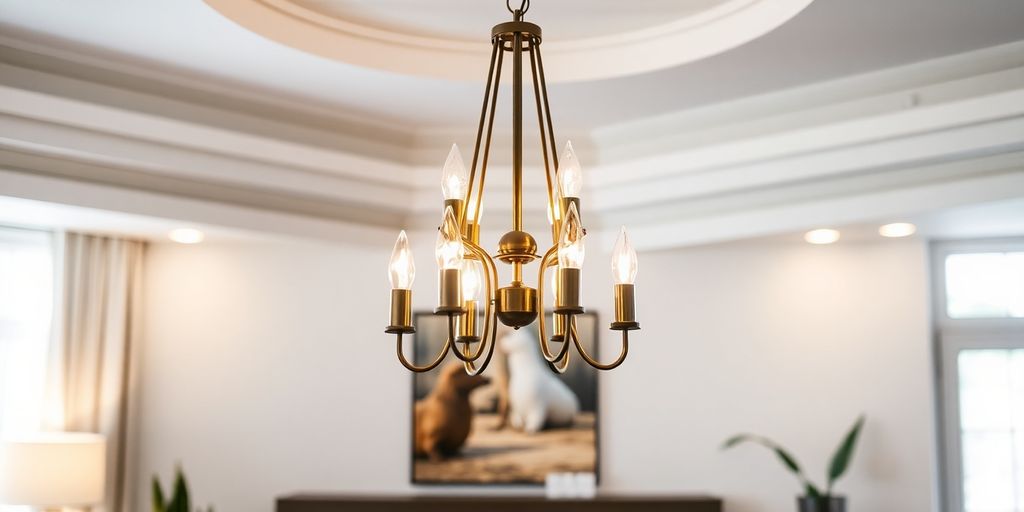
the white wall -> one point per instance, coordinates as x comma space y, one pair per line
265, 371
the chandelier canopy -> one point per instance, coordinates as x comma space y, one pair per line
466, 269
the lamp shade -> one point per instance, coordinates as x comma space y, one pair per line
53, 469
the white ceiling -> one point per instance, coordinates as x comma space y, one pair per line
166, 109
562, 19
830, 39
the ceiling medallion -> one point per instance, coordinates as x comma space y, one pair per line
466, 269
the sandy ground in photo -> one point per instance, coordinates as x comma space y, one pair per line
509, 456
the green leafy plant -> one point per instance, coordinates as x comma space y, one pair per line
179, 499
836, 468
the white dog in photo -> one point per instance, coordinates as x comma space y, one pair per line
537, 398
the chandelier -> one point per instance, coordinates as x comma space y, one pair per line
466, 269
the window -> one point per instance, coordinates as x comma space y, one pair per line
26, 305
980, 318
985, 285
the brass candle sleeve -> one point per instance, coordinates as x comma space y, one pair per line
457, 206
467, 324
401, 312
567, 300
449, 291
625, 308
558, 327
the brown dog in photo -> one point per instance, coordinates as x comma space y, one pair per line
444, 418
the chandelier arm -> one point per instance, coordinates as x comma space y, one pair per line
590, 360
491, 316
490, 280
547, 107
455, 346
541, 330
465, 353
562, 365
490, 129
420, 369
471, 368
480, 130
543, 137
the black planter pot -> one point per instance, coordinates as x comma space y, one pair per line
833, 504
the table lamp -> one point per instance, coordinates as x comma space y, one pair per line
53, 470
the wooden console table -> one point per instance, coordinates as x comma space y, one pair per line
356, 503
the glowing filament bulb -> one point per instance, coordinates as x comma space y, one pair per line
449, 250
570, 241
570, 176
624, 262
471, 280
454, 179
402, 269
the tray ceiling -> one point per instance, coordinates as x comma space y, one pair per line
449, 39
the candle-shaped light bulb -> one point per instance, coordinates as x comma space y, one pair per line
570, 176
402, 269
471, 280
449, 250
570, 241
624, 262
454, 178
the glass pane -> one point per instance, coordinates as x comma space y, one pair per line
26, 301
988, 471
991, 390
985, 285
984, 389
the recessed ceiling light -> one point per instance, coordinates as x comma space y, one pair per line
821, 236
897, 229
186, 235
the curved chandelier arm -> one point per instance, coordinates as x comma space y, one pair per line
545, 349
590, 360
464, 354
420, 369
471, 368
490, 316
561, 365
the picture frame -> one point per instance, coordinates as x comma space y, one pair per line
505, 454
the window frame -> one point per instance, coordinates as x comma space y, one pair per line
953, 335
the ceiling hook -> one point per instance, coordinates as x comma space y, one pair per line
523, 6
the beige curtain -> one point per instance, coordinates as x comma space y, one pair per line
91, 360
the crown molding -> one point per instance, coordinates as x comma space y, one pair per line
673, 42
95, 76
903, 140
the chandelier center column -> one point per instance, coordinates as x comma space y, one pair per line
517, 127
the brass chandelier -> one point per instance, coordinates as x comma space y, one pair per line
465, 266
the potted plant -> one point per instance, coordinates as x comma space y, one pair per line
179, 499
814, 499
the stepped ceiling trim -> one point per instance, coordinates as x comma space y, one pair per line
719, 26
893, 149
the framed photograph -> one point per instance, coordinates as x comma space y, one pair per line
512, 425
